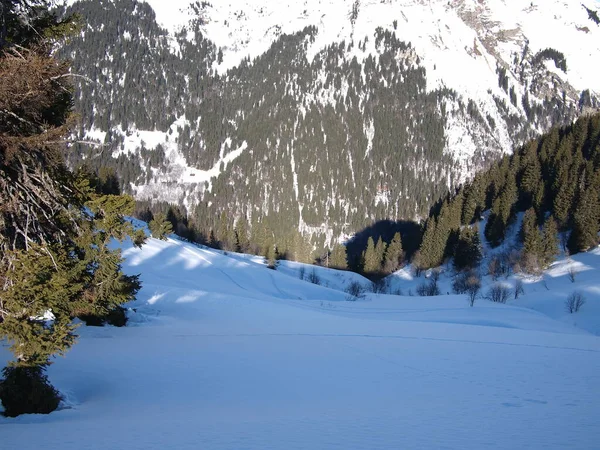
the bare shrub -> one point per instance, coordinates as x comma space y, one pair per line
381, 286
530, 264
314, 278
473, 287
461, 285
469, 283
519, 290
494, 268
498, 293
355, 291
302, 272
503, 264
417, 270
574, 302
572, 273
428, 289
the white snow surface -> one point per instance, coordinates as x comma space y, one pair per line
223, 353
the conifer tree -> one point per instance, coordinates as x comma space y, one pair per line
467, 254
586, 214
224, 233
160, 227
532, 242
380, 249
271, 255
241, 235
55, 261
549, 241
371, 262
339, 257
431, 250
393, 255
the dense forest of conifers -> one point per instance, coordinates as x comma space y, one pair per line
553, 181
364, 136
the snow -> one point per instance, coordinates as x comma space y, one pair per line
223, 353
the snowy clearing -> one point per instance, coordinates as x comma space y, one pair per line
223, 353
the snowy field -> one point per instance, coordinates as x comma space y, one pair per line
223, 353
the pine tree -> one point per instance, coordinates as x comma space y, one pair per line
55, 229
160, 227
224, 233
371, 262
380, 249
467, 253
271, 255
339, 257
433, 245
549, 241
393, 255
241, 235
532, 242
586, 214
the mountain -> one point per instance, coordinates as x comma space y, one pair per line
222, 353
322, 116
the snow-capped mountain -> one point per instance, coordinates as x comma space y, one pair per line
333, 112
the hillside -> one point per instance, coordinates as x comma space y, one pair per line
223, 353
553, 180
321, 117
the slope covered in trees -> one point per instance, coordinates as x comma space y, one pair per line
554, 180
332, 137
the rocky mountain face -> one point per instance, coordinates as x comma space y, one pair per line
322, 116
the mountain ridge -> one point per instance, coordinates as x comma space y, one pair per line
321, 85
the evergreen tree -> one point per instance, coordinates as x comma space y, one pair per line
532, 242
225, 233
371, 261
339, 257
380, 249
241, 235
55, 229
586, 215
433, 245
160, 227
393, 255
271, 255
467, 254
549, 241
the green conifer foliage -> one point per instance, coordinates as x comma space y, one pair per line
467, 254
380, 249
55, 227
241, 235
371, 261
393, 255
160, 227
339, 257
549, 241
586, 215
532, 242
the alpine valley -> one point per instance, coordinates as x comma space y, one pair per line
321, 116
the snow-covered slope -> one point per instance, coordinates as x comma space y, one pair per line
458, 41
223, 353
